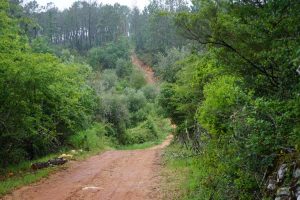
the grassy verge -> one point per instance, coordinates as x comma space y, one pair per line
19, 175
182, 174
92, 141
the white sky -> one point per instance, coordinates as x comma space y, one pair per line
62, 4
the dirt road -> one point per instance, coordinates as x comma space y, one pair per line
147, 70
113, 175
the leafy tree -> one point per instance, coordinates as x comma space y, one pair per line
259, 58
233, 100
43, 100
107, 56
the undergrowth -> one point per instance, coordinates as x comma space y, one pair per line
182, 172
86, 143
148, 133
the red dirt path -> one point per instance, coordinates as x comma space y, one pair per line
113, 175
147, 70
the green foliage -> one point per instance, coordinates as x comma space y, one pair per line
150, 92
46, 99
123, 68
144, 132
43, 101
90, 140
264, 57
113, 109
135, 99
222, 97
153, 30
40, 45
108, 79
137, 79
152, 129
196, 71
235, 99
166, 67
107, 57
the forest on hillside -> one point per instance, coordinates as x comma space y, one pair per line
228, 77
65, 87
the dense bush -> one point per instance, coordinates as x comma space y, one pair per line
108, 79
135, 99
123, 68
222, 97
166, 67
146, 131
234, 101
91, 139
113, 109
43, 101
107, 56
137, 79
150, 92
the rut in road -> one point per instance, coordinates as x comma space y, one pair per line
113, 175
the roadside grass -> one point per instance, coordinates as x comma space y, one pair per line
10, 184
92, 141
21, 174
181, 174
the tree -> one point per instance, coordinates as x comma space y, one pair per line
43, 101
225, 26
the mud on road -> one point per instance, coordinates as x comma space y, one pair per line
113, 175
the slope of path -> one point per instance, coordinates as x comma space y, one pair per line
113, 175
148, 71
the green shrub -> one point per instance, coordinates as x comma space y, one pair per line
47, 102
43, 101
150, 92
106, 57
167, 66
108, 79
92, 139
123, 68
112, 109
144, 132
137, 79
135, 99
221, 98
41, 45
